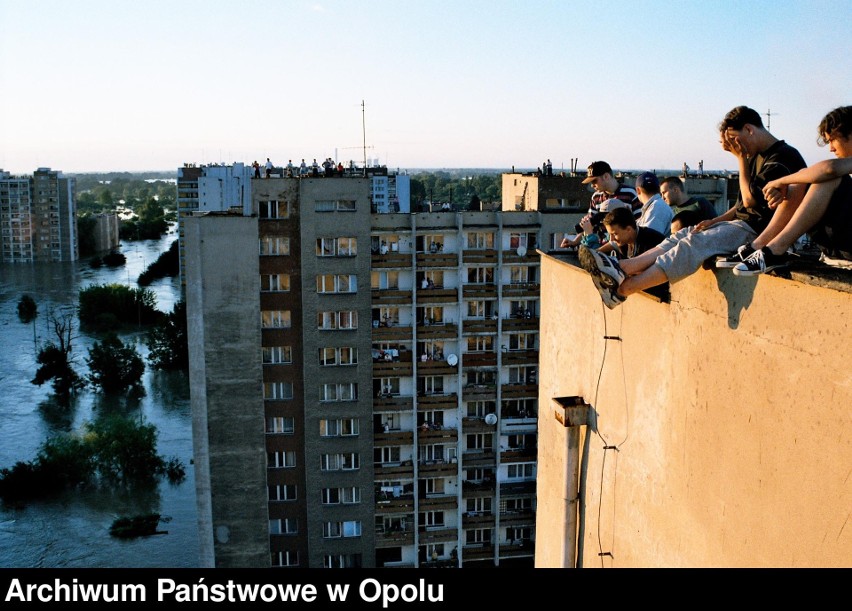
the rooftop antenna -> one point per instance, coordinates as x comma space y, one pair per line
364, 135
769, 114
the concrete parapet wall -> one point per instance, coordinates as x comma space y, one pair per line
727, 412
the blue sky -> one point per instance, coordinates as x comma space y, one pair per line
98, 86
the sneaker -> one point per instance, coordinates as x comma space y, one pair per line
760, 262
609, 295
601, 266
743, 252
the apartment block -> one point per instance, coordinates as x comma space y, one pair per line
364, 385
38, 217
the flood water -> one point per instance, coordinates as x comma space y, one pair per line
72, 530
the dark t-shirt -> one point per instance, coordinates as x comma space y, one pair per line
833, 232
646, 239
700, 206
778, 160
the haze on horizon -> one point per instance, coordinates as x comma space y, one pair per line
93, 86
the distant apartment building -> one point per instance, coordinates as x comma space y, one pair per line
105, 233
364, 385
38, 217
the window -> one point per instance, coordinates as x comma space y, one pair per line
277, 391
434, 485
479, 505
477, 536
479, 441
480, 343
481, 378
280, 460
282, 492
345, 205
527, 240
337, 283
430, 243
280, 425
523, 308
332, 357
480, 409
515, 505
480, 309
430, 452
337, 247
346, 391
386, 386
478, 240
333, 530
522, 274
521, 471
385, 455
341, 496
273, 209
275, 319
342, 561
523, 375
431, 518
430, 315
270, 283
519, 408
283, 526
340, 462
480, 275
436, 278
270, 246
384, 280
431, 385
273, 355
339, 427
344, 320
433, 417
517, 534
287, 558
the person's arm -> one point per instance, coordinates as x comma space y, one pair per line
730, 215
822, 171
732, 144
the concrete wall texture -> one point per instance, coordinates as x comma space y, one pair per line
727, 417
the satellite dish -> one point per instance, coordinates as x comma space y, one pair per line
452, 360
522, 250
491, 419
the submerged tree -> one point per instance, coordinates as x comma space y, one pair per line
27, 309
167, 341
114, 366
54, 358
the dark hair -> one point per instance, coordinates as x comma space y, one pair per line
687, 218
622, 217
838, 121
738, 117
673, 180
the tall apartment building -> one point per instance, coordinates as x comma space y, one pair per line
38, 217
364, 386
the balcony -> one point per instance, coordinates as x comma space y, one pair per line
401, 470
516, 488
436, 295
478, 551
437, 534
391, 260
520, 547
479, 359
391, 296
520, 357
479, 291
393, 438
437, 468
436, 368
443, 502
517, 391
476, 425
437, 260
392, 537
479, 392
478, 458
392, 403
381, 334
437, 330
521, 289
478, 519
437, 401
511, 425
523, 517
515, 324
393, 369
386, 502
436, 434
478, 488
479, 256
479, 326
513, 455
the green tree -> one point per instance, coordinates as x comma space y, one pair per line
167, 341
102, 305
114, 366
105, 198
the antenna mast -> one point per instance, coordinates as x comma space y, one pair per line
769, 119
364, 135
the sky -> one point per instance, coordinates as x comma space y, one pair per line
97, 86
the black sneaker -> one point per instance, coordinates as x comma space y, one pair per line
760, 262
743, 252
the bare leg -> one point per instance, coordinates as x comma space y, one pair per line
652, 276
783, 213
807, 215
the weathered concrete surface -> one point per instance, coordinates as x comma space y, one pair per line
728, 411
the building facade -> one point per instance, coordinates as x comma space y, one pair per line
373, 401
38, 217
